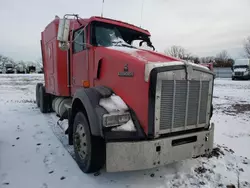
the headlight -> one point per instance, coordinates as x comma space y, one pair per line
246, 72
115, 119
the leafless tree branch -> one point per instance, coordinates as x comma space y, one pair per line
178, 52
246, 46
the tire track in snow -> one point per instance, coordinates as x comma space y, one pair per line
59, 133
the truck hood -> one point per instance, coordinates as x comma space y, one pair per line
144, 56
148, 58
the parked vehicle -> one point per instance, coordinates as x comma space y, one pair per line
20, 69
127, 108
241, 69
9, 68
31, 69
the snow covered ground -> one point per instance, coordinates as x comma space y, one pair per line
34, 151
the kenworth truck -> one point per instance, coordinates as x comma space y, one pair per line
127, 108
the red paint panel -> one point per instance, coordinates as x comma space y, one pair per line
133, 90
55, 62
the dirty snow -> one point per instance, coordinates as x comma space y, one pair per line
113, 104
129, 126
34, 150
133, 52
124, 49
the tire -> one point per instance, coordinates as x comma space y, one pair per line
89, 150
37, 94
44, 100
233, 78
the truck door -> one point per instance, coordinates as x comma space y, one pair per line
79, 65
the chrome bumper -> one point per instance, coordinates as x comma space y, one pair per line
129, 156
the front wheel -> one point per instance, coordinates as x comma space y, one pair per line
89, 149
233, 78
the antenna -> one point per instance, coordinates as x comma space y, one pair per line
102, 8
141, 11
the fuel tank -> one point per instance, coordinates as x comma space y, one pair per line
58, 105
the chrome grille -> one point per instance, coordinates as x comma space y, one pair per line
183, 104
239, 73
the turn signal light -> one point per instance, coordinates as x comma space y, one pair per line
85, 83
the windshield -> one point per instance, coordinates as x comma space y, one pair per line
108, 36
8, 65
113, 35
240, 66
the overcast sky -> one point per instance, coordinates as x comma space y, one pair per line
204, 27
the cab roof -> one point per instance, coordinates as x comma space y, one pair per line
120, 23
86, 21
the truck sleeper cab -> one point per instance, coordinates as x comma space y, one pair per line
127, 108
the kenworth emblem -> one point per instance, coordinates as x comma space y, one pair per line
125, 72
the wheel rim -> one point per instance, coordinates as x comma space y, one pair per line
81, 141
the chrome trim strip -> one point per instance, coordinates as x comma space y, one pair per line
199, 104
157, 106
151, 65
181, 128
187, 100
209, 101
173, 107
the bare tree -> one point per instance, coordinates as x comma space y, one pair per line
247, 47
178, 52
1, 60
194, 59
223, 56
39, 62
4, 60
208, 59
223, 59
21, 63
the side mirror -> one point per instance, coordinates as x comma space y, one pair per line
63, 34
63, 30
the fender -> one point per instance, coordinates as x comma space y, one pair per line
87, 100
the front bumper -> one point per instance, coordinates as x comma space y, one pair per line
129, 156
242, 77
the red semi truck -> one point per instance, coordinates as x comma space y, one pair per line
127, 108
